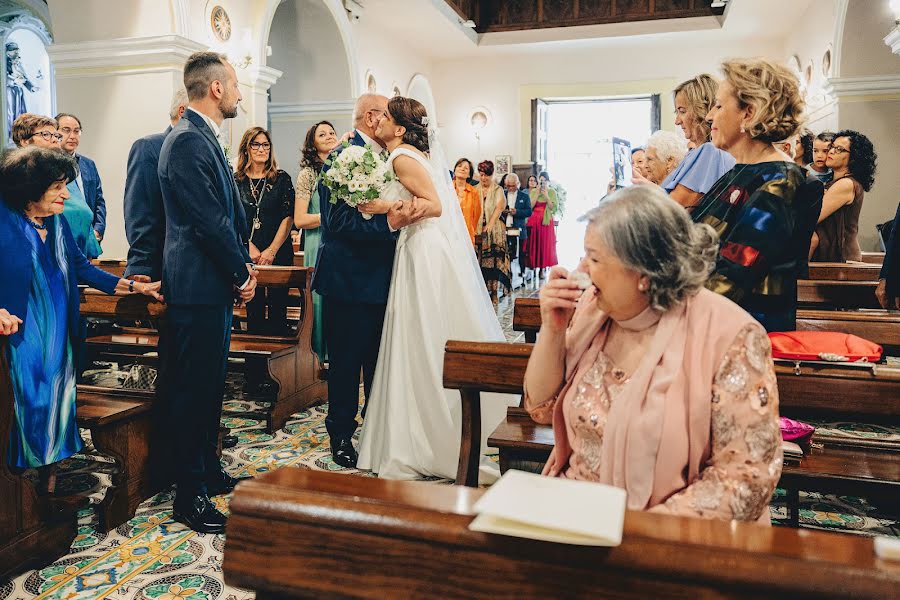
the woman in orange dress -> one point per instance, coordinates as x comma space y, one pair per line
469, 198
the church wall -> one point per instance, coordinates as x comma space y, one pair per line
506, 83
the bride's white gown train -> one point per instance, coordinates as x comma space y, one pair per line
412, 425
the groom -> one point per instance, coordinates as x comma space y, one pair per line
353, 276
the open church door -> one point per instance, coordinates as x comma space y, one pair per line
539, 133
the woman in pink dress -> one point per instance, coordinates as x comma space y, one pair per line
541, 231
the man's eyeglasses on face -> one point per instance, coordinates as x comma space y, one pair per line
67, 131
260, 145
48, 136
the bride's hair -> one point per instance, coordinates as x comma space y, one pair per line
411, 114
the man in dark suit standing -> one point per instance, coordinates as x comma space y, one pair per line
88, 179
888, 290
353, 276
518, 209
206, 267
145, 221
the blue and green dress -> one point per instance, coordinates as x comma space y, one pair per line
80, 218
43, 292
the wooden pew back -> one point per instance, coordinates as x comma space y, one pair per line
836, 271
372, 538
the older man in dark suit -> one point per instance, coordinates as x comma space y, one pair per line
206, 268
88, 179
888, 290
145, 220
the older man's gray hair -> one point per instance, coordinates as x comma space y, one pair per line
364, 104
179, 99
512, 177
668, 145
653, 235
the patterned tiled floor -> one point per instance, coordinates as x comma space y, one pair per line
153, 557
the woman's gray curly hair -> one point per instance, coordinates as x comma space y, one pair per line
653, 235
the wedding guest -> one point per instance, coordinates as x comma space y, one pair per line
518, 209
653, 383
761, 207
320, 140
639, 161
852, 160
541, 231
704, 163
665, 150
469, 197
817, 167
30, 129
531, 184
494, 255
803, 152
145, 221
888, 289
41, 269
88, 179
267, 194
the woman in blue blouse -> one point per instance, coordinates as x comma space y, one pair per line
41, 269
704, 163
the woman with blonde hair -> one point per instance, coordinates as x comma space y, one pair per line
763, 209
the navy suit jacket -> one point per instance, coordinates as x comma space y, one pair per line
204, 255
93, 191
17, 272
145, 219
523, 211
356, 256
890, 270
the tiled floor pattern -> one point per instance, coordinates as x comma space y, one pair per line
153, 557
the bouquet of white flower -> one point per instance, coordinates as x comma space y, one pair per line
356, 176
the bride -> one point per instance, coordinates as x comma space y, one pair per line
412, 425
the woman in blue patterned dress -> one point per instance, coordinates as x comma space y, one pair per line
41, 269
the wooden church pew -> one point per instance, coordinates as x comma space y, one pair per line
298, 533
473, 367
834, 294
837, 271
34, 529
289, 361
874, 258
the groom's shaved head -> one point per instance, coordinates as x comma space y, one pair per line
367, 103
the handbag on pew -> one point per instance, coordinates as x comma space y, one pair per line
140, 377
829, 346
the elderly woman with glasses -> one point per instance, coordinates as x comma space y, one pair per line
852, 159
41, 269
267, 194
653, 383
43, 132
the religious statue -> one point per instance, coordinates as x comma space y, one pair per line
17, 82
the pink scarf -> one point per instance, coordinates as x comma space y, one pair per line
673, 384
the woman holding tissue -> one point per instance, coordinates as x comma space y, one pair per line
653, 383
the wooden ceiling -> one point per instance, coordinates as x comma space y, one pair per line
515, 15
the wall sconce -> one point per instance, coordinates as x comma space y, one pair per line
893, 38
479, 118
243, 47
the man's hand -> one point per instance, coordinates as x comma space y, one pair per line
246, 295
406, 213
883, 299
98, 236
139, 278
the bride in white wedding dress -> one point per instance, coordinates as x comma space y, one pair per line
412, 425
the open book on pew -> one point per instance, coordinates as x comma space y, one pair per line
551, 509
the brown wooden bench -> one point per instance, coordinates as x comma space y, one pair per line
837, 271
34, 529
874, 258
473, 367
289, 361
877, 325
307, 534
833, 294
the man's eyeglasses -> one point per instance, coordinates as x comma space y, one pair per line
260, 145
838, 150
67, 131
47, 135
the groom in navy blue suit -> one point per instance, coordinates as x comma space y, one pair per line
353, 275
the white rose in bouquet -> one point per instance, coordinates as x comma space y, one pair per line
357, 175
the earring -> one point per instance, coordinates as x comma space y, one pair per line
742, 128
642, 287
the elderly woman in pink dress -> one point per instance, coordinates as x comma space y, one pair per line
653, 383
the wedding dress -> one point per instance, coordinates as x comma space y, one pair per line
413, 425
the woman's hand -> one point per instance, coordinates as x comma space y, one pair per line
377, 206
266, 257
150, 289
9, 324
254, 253
559, 297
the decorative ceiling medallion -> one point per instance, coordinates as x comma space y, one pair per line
220, 23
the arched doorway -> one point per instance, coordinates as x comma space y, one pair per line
312, 46
420, 89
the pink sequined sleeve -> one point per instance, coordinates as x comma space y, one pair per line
745, 462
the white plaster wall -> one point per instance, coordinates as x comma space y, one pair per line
79, 20
505, 83
389, 58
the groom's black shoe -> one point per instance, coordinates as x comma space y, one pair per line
198, 513
343, 453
